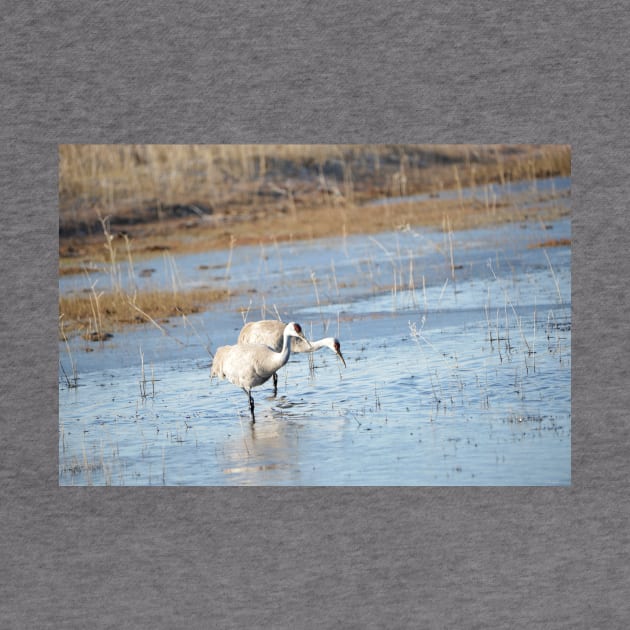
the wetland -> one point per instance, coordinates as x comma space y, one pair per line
456, 333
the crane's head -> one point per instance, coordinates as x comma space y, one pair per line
295, 330
336, 346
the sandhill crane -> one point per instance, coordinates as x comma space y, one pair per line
269, 332
249, 365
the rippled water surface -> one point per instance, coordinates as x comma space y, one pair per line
453, 377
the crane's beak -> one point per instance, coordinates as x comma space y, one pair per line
303, 338
341, 357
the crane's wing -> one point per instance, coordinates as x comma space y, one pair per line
267, 331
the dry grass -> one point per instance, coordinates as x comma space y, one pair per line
139, 184
113, 310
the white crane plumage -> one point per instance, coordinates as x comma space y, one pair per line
270, 333
249, 365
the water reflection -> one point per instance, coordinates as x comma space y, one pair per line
265, 452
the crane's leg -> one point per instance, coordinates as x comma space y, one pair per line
275, 383
251, 404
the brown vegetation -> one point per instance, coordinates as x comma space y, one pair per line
554, 242
95, 314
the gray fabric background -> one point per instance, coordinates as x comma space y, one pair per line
313, 557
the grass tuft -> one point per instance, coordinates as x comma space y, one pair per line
118, 309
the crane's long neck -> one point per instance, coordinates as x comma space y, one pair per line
302, 346
316, 345
282, 357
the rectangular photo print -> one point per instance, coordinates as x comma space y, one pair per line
315, 315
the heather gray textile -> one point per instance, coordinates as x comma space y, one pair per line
301, 558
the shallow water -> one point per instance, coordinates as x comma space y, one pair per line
462, 380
